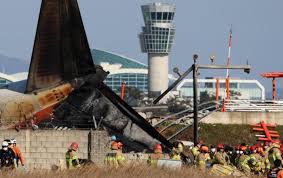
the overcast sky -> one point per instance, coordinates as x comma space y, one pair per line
202, 26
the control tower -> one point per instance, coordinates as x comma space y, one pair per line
156, 40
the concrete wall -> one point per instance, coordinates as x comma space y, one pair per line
157, 72
44, 148
244, 118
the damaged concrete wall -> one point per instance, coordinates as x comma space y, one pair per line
43, 149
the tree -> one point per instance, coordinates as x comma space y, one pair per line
206, 97
132, 95
177, 104
235, 94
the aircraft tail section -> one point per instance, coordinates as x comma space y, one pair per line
61, 51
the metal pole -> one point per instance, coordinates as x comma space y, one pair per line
273, 89
217, 92
227, 81
173, 85
89, 151
94, 121
195, 104
123, 90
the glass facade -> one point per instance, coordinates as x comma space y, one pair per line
136, 80
140, 81
134, 74
4, 81
157, 40
158, 17
247, 90
158, 33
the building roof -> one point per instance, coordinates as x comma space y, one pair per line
101, 56
8, 77
20, 76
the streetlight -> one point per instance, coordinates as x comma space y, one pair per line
195, 93
195, 57
212, 58
177, 71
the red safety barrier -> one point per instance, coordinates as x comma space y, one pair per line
269, 135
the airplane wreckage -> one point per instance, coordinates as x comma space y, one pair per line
64, 83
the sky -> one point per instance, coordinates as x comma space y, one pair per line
202, 27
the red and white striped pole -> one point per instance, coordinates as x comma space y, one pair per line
229, 52
228, 64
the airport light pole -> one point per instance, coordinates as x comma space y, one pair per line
195, 68
195, 93
195, 87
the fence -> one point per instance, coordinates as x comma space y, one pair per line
43, 149
253, 106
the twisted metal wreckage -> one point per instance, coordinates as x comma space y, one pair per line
63, 80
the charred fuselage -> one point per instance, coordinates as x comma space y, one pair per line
62, 76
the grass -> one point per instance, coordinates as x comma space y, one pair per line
124, 172
232, 134
210, 133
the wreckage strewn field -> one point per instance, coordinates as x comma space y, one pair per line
126, 172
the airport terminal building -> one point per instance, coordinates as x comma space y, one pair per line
5, 79
135, 74
121, 68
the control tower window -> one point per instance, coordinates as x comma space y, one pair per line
170, 16
146, 16
153, 16
159, 15
165, 14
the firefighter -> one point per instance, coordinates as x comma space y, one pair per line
235, 156
274, 153
221, 157
244, 160
228, 150
203, 157
196, 149
212, 152
10, 145
153, 158
256, 160
121, 159
7, 157
178, 148
115, 157
72, 159
110, 158
18, 154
